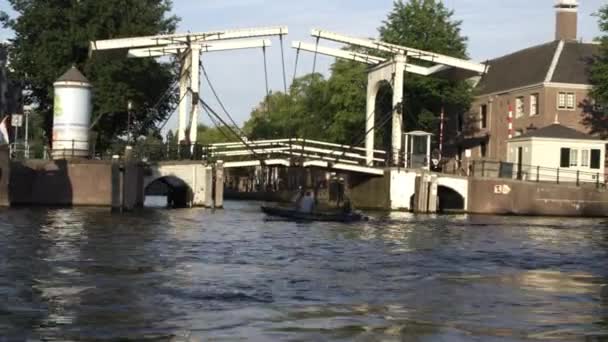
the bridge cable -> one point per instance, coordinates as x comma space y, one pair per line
167, 93
217, 98
216, 95
283, 64
173, 111
314, 61
266, 72
245, 143
383, 121
217, 126
295, 67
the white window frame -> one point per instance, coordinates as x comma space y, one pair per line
563, 98
573, 157
520, 104
585, 158
534, 105
570, 96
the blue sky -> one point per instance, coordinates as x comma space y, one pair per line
494, 28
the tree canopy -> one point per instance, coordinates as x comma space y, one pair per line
334, 109
51, 36
428, 25
597, 110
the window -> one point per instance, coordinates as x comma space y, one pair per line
573, 157
570, 100
564, 158
596, 158
534, 104
566, 100
484, 149
519, 107
585, 158
483, 111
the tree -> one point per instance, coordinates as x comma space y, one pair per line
51, 36
304, 112
213, 135
428, 25
596, 111
335, 110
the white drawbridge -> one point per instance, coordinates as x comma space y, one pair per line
188, 48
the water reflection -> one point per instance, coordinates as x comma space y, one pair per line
84, 274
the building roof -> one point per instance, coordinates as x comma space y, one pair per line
73, 75
574, 61
533, 66
557, 131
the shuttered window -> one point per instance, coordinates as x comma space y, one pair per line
565, 158
596, 158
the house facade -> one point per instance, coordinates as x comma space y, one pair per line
557, 153
526, 91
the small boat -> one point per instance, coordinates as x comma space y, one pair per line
294, 215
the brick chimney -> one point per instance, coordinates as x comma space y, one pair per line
566, 19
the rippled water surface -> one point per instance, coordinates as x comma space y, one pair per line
198, 275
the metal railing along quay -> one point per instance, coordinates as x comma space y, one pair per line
532, 173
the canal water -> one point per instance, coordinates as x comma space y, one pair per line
199, 275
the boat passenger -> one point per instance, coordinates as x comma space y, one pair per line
307, 203
347, 207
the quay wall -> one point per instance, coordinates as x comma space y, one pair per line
61, 183
75, 183
488, 196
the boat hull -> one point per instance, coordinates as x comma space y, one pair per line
294, 215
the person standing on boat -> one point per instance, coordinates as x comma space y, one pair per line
298, 197
307, 203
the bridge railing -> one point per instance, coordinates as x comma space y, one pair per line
534, 173
295, 149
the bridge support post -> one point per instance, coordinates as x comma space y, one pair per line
370, 121
195, 86
397, 131
425, 199
218, 190
182, 119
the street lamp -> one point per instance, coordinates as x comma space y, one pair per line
129, 107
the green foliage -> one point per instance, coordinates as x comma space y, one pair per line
51, 36
596, 111
428, 25
213, 135
301, 113
334, 109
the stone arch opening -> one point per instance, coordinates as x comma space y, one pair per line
383, 106
176, 192
449, 199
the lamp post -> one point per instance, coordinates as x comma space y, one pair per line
129, 107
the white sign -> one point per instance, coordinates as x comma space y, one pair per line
467, 153
502, 189
16, 120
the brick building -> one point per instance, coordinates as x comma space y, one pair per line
537, 85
